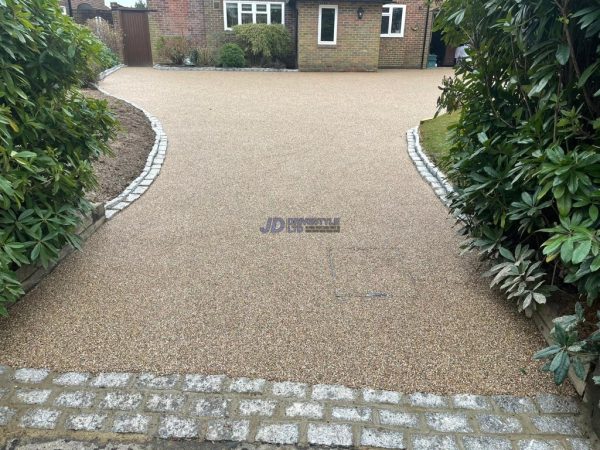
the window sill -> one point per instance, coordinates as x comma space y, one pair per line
321, 45
391, 35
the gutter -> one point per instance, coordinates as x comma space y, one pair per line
425, 35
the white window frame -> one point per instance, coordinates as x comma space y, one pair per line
390, 14
63, 9
253, 3
335, 24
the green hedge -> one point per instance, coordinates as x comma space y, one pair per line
263, 43
49, 133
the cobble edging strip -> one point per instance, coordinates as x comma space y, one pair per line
221, 69
110, 71
200, 408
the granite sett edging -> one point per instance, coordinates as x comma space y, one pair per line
221, 69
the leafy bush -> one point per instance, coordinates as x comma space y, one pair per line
49, 134
203, 56
232, 55
174, 49
525, 159
109, 36
264, 43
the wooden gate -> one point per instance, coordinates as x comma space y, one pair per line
136, 38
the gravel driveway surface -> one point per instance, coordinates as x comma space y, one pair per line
183, 281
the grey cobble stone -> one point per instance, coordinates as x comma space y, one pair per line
550, 403
580, 444
278, 434
85, 422
172, 427
514, 405
289, 390
381, 438
332, 392
422, 442
3, 370
308, 410
211, 407
33, 396
352, 414
536, 444
121, 400
6, 414
40, 418
257, 407
422, 400
400, 419
31, 375
151, 381
111, 380
165, 402
467, 401
556, 425
448, 422
72, 379
203, 383
499, 424
131, 423
323, 434
78, 399
228, 430
375, 396
247, 385
486, 443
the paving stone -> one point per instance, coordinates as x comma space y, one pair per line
172, 427
381, 438
580, 444
308, 410
33, 396
514, 405
6, 414
550, 403
211, 407
78, 399
278, 434
3, 370
448, 422
109, 213
40, 418
400, 419
323, 434
422, 400
85, 422
228, 430
288, 389
131, 423
434, 443
257, 407
332, 392
374, 396
146, 182
165, 402
203, 383
352, 414
468, 401
247, 385
31, 375
499, 424
72, 379
121, 400
111, 380
151, 381
536, 444
486, 443
556, 425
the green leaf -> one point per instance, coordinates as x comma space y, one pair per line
581, 252
547, 352
562, 54
566, 251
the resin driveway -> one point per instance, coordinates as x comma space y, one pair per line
184, 281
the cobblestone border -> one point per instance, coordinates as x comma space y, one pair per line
221, 69
201, 408
110, 71
154, 162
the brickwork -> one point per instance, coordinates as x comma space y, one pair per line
96, 4
357, 41
407, 52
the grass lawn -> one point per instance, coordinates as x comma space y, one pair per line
434, 137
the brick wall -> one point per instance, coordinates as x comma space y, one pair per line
407, 52
357, 42
97, 4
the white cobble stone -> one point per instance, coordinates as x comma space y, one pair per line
203, 383
399, 419
486, 443
289, 390
77, 399
33, 396
514, 405
382, 438
111, 380
247, 385
172, 427
307, 410
550, 403
6, 414
211, 407
468, 401
121, 400
228, 430
537, 444
72, 379
128, 423
31, 375
424, 442
498, 424
422, 400
375, 396
151, 381
165, 402
85, 422
352, 414
448, 422
257, 407
556, 425
278, 434
332, 392
324, 434
45, 419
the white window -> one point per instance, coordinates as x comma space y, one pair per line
328, 17
238, 13
63, 9
392, 20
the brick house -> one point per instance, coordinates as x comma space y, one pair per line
328, 35
82, 5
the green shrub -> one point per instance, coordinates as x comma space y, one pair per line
525, 159
49, 134
264, 43
232, 55
174, 49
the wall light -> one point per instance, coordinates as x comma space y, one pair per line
360, 12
